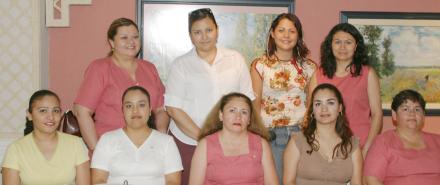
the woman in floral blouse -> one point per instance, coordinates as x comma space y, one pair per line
279, 80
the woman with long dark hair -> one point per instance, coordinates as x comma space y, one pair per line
345, 64
325, 152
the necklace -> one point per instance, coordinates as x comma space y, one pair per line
293, 62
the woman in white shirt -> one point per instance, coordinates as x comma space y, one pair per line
136, 153
198, 79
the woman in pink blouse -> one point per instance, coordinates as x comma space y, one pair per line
345, 64
106, 79
233, 147
406, 155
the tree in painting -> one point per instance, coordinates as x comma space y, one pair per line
387, 67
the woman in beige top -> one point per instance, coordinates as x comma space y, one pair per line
326, 151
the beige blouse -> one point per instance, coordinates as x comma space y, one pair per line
313, 169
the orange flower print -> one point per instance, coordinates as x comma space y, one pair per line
301, 81
281, 122
272, 106
280, 80
297, 101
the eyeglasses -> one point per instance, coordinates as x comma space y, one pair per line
406, 109
200, 12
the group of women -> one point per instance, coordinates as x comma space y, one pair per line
286, 121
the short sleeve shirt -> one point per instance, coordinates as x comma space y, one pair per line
34, 169
103, 85
283, 94
391, 163
148, 164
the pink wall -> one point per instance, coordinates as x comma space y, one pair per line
71, 49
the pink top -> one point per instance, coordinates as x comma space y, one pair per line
391, 163
354, 91
102, 88
238, 170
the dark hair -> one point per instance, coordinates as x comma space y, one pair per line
342, 128
405, 95
150, 121
38, 95
360, 58
113, 29
200, 14
213, 124
300, 51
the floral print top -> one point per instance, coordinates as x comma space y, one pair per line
283, 95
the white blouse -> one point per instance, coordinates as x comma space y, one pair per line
148, 164
195, 86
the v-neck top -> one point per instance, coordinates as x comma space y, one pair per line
245, 169
146, 164
393, 164
34, 169
103, 85
313, 169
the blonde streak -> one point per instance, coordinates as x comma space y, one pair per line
212, 123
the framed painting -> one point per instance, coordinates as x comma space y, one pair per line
404, 49
243, 26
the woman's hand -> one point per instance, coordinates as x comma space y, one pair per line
99, 176
184, 122
162, 120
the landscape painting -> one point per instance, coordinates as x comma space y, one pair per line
405, 54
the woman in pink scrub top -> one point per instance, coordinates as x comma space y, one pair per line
98, 105
406, 155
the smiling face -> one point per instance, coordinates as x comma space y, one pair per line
409, 115
236, 115
326, 107
136, 109
343, 46
45, 114
126, 42
285, 35
204, 35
